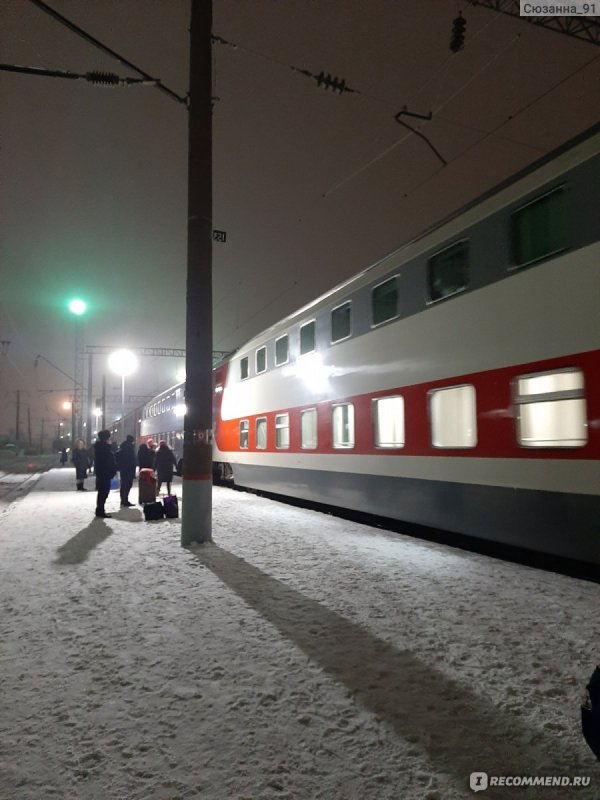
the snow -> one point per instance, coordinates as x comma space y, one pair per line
297, 656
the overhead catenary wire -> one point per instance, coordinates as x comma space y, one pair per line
105, 49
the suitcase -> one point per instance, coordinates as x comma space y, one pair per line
153, 511
146, 486
171, 506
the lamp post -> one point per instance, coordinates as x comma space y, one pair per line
77, 307
124, 363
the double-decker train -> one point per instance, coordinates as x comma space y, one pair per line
454, 384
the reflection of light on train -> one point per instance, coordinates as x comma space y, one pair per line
454, 384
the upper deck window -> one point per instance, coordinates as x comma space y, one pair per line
261, 359
281, 350
384, 301
341, 319
307, 338
244, 368
448, 271
539, 229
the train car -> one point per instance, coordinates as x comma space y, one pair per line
162, 418
454, 384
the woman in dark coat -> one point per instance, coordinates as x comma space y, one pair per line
81, 462
164, 463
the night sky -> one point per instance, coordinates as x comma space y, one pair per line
310, 185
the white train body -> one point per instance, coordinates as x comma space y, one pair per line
455, 384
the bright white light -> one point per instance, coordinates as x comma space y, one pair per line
123, 362
313, 372
180, 410
78, 307
180, 374
67, 404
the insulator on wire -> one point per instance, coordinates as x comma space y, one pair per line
457, 40
330, 83
103, 78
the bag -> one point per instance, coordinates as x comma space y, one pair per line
171, 505
153, 511
146, 486
114, 483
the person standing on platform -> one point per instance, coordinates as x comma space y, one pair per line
81, 463
145, 456
165, 463
126, 462
106, 468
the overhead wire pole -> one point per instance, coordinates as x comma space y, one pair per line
196, 523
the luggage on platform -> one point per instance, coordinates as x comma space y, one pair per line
146, 486
115, 483
171, 505
153, 511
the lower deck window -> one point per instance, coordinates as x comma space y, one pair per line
282, 431
388, 418
343, 425
551, 409
244, 434
453, 417
308, 429
261, 433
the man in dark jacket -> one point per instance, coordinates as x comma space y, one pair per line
105, 468
126, 463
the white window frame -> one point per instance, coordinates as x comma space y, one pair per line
313, 443
345, 426
245, 430
450, 436
372, 309
287, 358
333, 310
247, 375
398, 423
279, 426
260, 350
312, 322
261, 425
570, 401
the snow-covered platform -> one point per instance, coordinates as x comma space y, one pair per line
298, 656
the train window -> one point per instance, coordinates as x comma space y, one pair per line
282, 431
244, 368
261, 359
307, 338
551, 409
261, 433
539, 229
308, 429
342, 419
448, 271
341, 320
281, 350
384, 301
244, 434
453, 417
388, 418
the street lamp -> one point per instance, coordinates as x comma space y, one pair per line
77, 307
124, 363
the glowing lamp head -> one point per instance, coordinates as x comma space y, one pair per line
77, 306
123, 362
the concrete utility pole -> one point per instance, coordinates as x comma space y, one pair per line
196, 523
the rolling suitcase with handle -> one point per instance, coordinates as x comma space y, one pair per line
146, 486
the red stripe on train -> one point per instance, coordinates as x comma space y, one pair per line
496, 417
